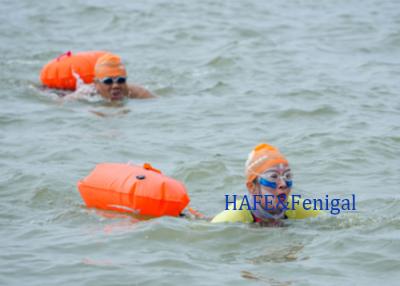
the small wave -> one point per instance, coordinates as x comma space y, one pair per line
84, 92
295, 112
279, 255
201, 170
218, 87
221, 61
268, 281
9, 119
165, 90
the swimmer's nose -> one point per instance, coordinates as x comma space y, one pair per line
115, 85
282, 184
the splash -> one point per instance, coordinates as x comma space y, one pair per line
86, 92
83, 92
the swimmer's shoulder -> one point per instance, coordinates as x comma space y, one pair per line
231, 215
136, 91
297, 211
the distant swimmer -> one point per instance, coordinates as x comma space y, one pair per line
269, 182
90, 73
110, 80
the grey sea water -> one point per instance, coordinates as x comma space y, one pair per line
318, 79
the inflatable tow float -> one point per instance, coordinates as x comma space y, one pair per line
133, 189
59, 72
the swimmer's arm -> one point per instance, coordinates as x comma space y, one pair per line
136, 91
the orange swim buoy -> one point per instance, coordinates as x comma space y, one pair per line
58, 72
133, 189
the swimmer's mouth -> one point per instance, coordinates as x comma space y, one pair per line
281, 197
117, 96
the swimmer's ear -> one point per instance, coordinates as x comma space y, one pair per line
251, 187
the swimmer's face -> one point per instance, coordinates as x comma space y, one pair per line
112, 88
276, 181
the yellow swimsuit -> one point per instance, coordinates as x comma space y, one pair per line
245, 216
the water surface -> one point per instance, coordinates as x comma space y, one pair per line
318, 79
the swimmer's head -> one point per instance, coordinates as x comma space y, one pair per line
261, 159
109, 65
110, 77
268, 176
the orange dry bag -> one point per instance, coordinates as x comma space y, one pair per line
129, 188
58, 72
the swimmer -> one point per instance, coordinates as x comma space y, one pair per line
111, 80
269, 182
268, 173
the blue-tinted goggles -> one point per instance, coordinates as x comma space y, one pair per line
111, 80
271, 181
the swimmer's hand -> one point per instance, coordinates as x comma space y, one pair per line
194, 214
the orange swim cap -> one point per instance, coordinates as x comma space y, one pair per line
261, 158
109, 65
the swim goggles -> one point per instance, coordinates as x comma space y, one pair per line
110, 80
271, 178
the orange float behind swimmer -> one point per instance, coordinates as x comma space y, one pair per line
133, 189
58, 72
